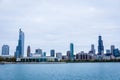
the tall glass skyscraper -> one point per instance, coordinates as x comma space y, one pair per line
20, 48
71, 51
100, 46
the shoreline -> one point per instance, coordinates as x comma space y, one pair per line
32, 62
50, 62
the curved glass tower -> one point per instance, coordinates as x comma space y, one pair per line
20, 48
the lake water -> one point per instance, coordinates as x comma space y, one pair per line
69, 71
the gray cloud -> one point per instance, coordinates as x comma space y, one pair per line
56, 23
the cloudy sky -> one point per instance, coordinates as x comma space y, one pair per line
54, 24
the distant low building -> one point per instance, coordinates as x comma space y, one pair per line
64, 57
7, 56
59, 56
39, 59
84, 56
38, 51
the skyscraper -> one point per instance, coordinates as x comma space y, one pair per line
112, 49
71, 51
28, 51
68, 55
5, 50
52, 53
93, 48
20, 47
100, 46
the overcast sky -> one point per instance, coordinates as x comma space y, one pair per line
54, 24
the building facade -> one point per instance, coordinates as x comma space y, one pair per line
38, 51
100, 46
39, 59
59, 56
28, 51
68, 55
52, 53
71, 51
5, 50
112, 49
20, 47
84, 56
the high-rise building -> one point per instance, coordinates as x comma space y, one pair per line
20, 47
52, 53
71, 51
100, 46
5, 50
28, 51
112, 49
92, 51
68, 55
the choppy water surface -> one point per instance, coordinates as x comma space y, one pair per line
69, 71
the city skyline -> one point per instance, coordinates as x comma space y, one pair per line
56, 24
19, 53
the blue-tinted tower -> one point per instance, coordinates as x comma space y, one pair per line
5, 50
20, 48
52, 53
100, 46
71, 51
116, 52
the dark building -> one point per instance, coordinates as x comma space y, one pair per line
28, 51
68, 55
116, 53
100, 46
112, 49
52, 53
93, 48
83, 56
71, 51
